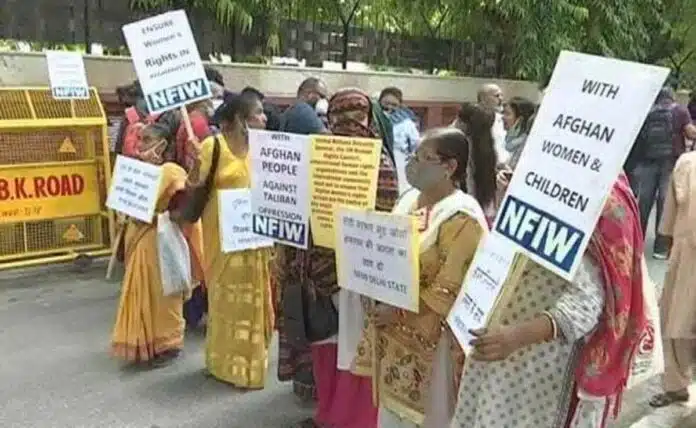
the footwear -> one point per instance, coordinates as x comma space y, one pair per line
668, 398
660, 255
165, 358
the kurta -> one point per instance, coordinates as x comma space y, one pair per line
240, 319
678, 305
408, 349
148, 323
533, 387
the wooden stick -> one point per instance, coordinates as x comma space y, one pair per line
375, 360
114, 251
187, 122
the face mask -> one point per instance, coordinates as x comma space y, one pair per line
424, 175
217, 104
322, 106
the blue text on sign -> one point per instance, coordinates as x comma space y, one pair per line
281, 230
175, 96
540, 233
70, 92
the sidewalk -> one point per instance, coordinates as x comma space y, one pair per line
636, 413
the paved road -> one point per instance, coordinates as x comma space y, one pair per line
55, 372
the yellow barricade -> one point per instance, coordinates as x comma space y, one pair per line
54, 175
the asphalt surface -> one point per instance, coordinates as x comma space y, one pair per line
55, 371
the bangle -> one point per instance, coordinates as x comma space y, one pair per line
554, 326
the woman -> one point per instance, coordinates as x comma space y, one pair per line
561, 355
420, 360
149, 326
476, 122
517, 115
344, 400
240, 318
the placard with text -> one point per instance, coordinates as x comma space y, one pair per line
166, 59
377, 256
235, 222
67, 75
591, 114
344, 171
134, 188
280, 204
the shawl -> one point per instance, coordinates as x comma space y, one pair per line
617, 245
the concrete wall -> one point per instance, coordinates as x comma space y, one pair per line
106, 73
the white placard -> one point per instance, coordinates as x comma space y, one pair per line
592, 112
66, 73
376, 256
482, 285
134, 188
235, 222
166, 60
280, 196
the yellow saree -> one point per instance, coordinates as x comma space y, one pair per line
240, 311
147, 322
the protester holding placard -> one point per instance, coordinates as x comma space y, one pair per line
344, 400
572, 342
240, 318
420, 362
149, 326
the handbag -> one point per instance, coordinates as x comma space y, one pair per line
321, 316
198, 196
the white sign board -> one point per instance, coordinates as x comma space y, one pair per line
66, 73
235, 222
134, 188
167, 62
377, 256
280, 192
482, 285
592, 112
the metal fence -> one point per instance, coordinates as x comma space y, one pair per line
100, 21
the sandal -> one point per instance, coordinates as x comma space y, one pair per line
669, 398
306, 423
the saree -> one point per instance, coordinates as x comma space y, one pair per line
240, 317
147, 322
420, 361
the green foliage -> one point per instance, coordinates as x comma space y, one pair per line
529, 33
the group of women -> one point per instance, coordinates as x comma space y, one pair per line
559, 358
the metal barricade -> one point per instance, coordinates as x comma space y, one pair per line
54, 176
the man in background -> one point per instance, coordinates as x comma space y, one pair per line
405, 129
491, 96
304, 117
660, 142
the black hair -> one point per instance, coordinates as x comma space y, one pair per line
524, 109
309, 84
253, 91
477, 122
451, 143
393, 91
214, 76
235, 107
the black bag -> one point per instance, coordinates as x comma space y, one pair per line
655, 139
321, 316
198, 196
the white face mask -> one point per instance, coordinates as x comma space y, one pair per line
322, 106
